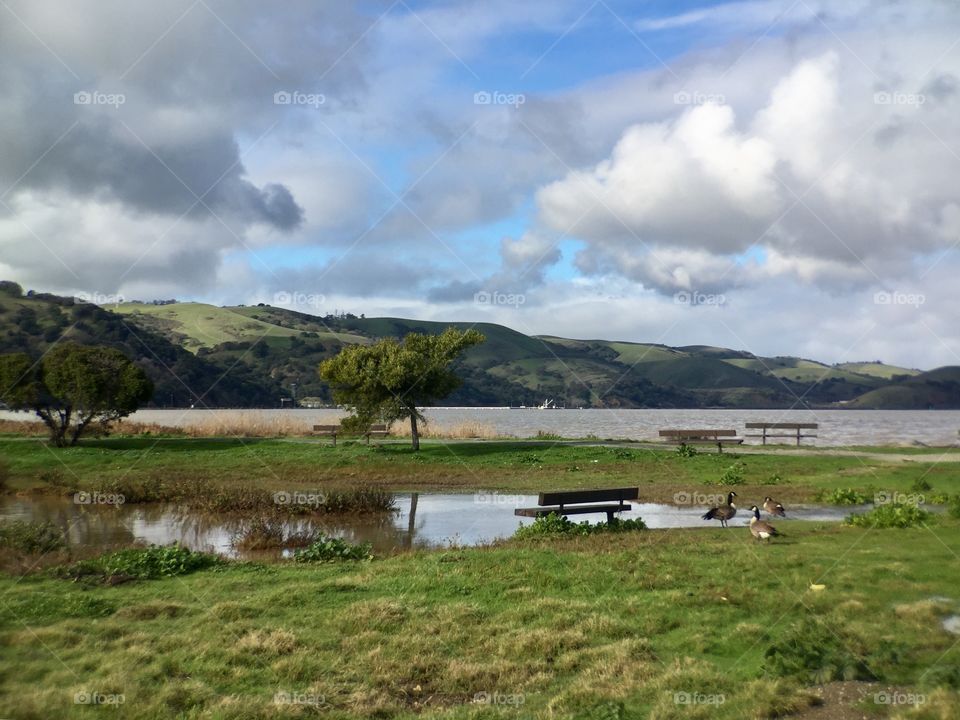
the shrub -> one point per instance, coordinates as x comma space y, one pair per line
954, 507
685, 451
553, 525
157, 561
268, 533
774, 479
330, 549
733, 475
921, 485
843, 496
31, 537
893, 515
54, 478
141, 563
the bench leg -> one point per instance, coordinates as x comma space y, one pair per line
368, 438
719, 448
610, 517
334, 436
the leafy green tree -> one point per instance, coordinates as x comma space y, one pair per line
390, 380
74, 388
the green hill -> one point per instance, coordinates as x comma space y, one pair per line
254, 356
936, 389
878, 369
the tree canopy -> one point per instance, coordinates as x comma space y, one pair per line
389, 380
74, 388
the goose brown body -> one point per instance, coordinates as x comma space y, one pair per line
772, 507
723, 513
758, 528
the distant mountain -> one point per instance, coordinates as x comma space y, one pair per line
254, 356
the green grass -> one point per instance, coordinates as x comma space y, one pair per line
605, 626
271, 465
879, 370
203, 325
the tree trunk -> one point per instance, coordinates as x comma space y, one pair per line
414, 433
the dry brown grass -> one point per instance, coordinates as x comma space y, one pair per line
238, 423
467, 430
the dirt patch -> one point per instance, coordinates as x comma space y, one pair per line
854, 701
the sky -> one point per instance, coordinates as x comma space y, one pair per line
773, 176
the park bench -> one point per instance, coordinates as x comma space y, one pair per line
700, 437
794, 428
334, 430
570, 502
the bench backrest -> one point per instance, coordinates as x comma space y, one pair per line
782, 426
697, 433
588, 496
336, 428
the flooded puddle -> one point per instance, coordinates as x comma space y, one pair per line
423, 520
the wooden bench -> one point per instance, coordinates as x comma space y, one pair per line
795, 429
560, 502
699, 437
334, 430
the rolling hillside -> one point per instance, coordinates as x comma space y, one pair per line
256, 355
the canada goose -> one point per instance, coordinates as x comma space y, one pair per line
758, 528
724, 512
773, 508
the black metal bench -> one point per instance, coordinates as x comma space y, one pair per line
700, 437
796, 429
568, 503
334, 430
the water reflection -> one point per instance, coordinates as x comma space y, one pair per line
422, 520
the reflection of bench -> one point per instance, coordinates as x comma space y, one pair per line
794, 427
699, 437
560, 502
334, 430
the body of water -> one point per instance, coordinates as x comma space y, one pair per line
838, 428
437, 520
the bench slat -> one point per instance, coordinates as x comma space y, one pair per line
697, 433
587, 496
566, 510
782, 426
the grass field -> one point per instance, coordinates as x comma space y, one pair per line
622, 626
459, 465
701, 623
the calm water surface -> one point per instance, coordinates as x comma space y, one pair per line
440, 519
